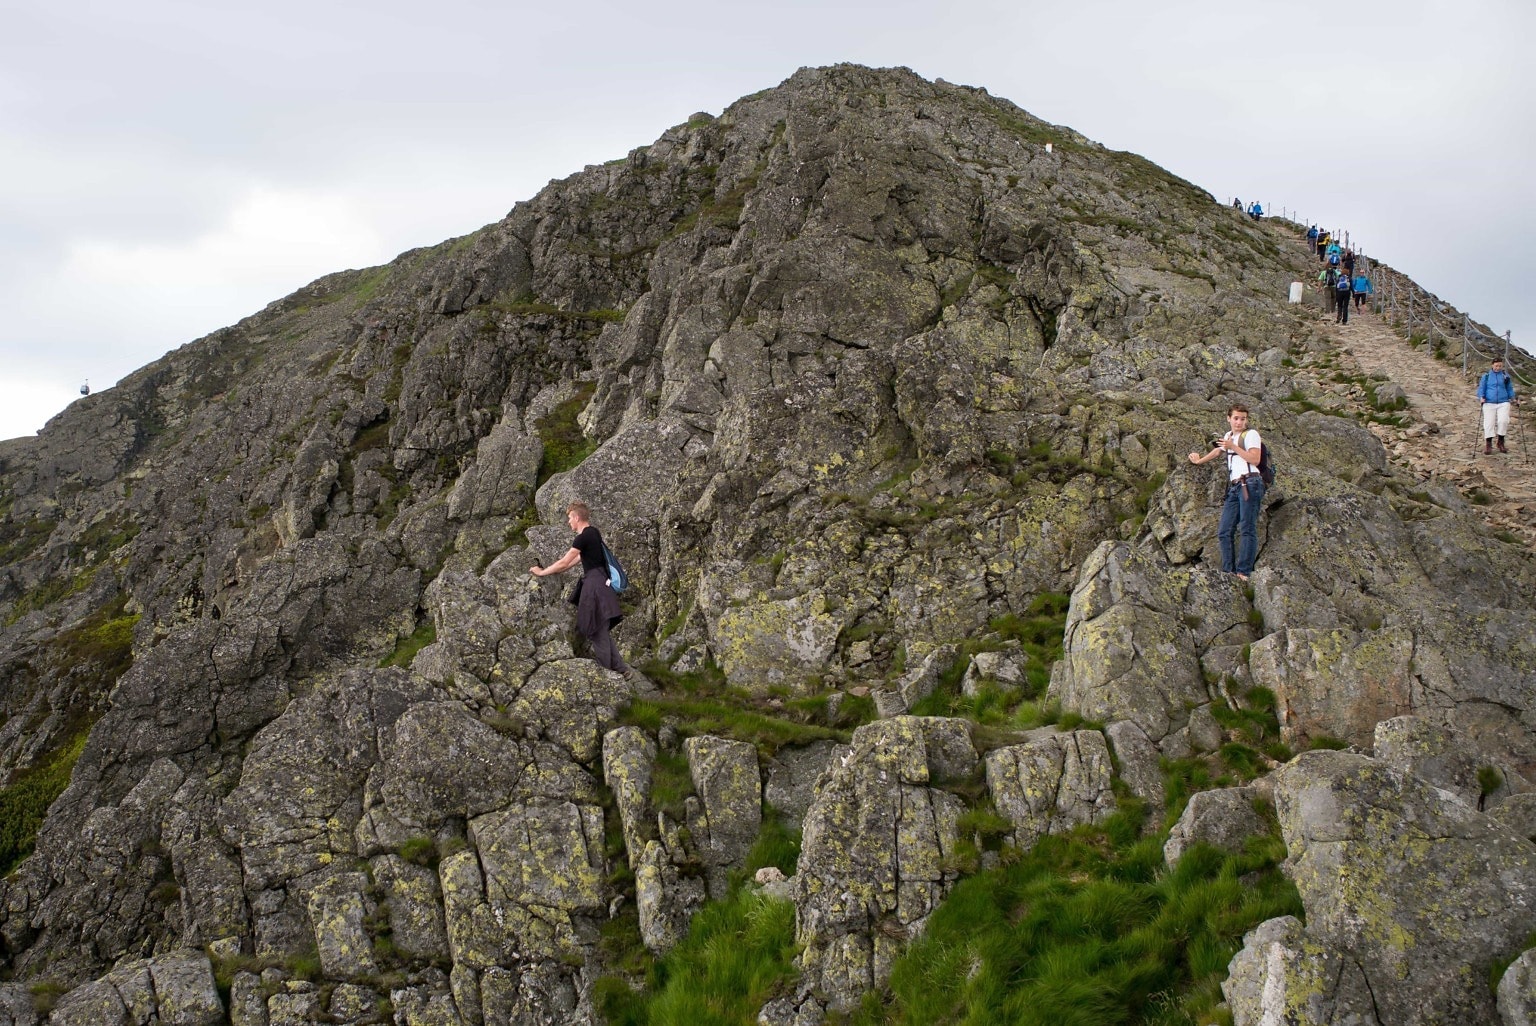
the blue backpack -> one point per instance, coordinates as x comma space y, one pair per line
618, 577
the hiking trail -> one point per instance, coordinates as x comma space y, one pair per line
1443, 437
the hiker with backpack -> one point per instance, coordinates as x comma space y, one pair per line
597, 604
1362, 288
1343, 288
1248, 474
1496, 393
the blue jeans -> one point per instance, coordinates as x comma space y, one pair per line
1241, 516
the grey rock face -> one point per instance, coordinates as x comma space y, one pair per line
1140, 765
1336, 683
1517, 992
1052, 785
875, 850
1283, 976
1434, 754
793, 774
1129, 655
1419, 892
730, 787
1223, 819
176, 988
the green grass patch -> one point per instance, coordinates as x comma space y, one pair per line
24, 801
1090, 929
702, 703
407, 647
565, 445
738, 954
1039, 633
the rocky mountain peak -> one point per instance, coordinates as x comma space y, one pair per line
884, 402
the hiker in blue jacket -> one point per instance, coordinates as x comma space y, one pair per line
1362, 288
1496, 392
1312, 237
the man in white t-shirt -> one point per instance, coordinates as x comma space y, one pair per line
1245, 492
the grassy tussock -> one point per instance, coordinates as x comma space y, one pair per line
738, 954
1087, 929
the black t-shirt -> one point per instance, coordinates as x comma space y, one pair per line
590, 544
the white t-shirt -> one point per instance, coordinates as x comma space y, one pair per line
1237, 467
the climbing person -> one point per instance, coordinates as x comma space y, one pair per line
1322, 245
1362, 289
1342, 289
1258, 210
1496, 393
597, 607
1237, 204
1312, 237
1242, 447
1348, 260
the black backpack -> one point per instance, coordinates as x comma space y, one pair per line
1266, 464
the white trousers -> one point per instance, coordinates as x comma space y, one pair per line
1495, 419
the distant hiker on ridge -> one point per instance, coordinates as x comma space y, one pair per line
1245, 492
1496, 392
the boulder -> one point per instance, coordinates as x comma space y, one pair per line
1051, 785
730, 788
176, 989
876, 851
1516, 995
1223, 818
1129, 655
1420, 892
776, 641
628, 757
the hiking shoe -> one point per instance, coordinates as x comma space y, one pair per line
1501, 446
1487, 447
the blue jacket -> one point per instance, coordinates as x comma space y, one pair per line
1362, 285
1496, 387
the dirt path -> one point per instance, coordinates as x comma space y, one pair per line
1443, 439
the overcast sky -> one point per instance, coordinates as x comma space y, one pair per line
169, 166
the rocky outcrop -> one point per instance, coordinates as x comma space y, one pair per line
1051, 785
1223, 818
876, 855
1410, 897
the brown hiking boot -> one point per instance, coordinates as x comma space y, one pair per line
1487, 447
1501, 445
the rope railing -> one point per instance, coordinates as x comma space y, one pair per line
1415, 311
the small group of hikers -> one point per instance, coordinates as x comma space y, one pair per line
1254, 210
597, 604
1339, 278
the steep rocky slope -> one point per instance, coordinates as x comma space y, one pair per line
857, 377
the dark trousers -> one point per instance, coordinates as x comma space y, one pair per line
1343, 305
604, 651
1359, 300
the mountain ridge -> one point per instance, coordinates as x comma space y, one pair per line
858, 378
